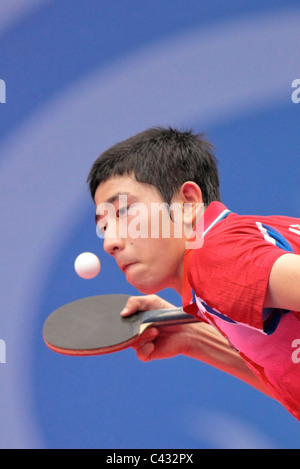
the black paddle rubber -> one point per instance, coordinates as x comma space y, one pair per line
94, 326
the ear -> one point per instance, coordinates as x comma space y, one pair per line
190, 192
190, 196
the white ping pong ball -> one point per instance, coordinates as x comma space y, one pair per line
87, 265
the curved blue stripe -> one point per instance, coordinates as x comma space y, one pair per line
281, 242
217, 313
272, 323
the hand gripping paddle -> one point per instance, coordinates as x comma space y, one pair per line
94, 326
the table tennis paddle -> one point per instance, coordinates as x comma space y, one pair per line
94, 326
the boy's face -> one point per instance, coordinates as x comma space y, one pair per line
138, 232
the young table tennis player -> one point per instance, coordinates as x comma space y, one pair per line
242, 281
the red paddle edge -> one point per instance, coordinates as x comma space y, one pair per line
92, 352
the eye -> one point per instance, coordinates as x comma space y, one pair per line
100, 230
122, 211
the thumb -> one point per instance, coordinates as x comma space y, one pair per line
143, 303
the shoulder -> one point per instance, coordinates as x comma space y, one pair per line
265, 231
231, 270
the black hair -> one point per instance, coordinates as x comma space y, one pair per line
163, 157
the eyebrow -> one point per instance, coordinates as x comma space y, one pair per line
110, 200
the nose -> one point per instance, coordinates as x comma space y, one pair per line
112, 245
113, 242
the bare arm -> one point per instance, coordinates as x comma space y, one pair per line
284, 284
209, 346
198, 340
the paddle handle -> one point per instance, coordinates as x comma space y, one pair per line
163, 317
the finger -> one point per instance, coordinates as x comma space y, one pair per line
145, 346
140, 303
144, 352
148, 336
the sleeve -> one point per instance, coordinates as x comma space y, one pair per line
231, 271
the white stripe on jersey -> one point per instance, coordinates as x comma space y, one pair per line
265, 233
294, 230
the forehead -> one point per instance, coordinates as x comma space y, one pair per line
128, 185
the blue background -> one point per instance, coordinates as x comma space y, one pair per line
80, 76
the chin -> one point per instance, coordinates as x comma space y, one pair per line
147, 280
147, 290
144, 286
149, 287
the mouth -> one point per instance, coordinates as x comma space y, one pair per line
125, 267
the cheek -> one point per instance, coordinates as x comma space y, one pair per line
162, 257
158, 266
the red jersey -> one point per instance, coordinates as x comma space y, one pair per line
225, 284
